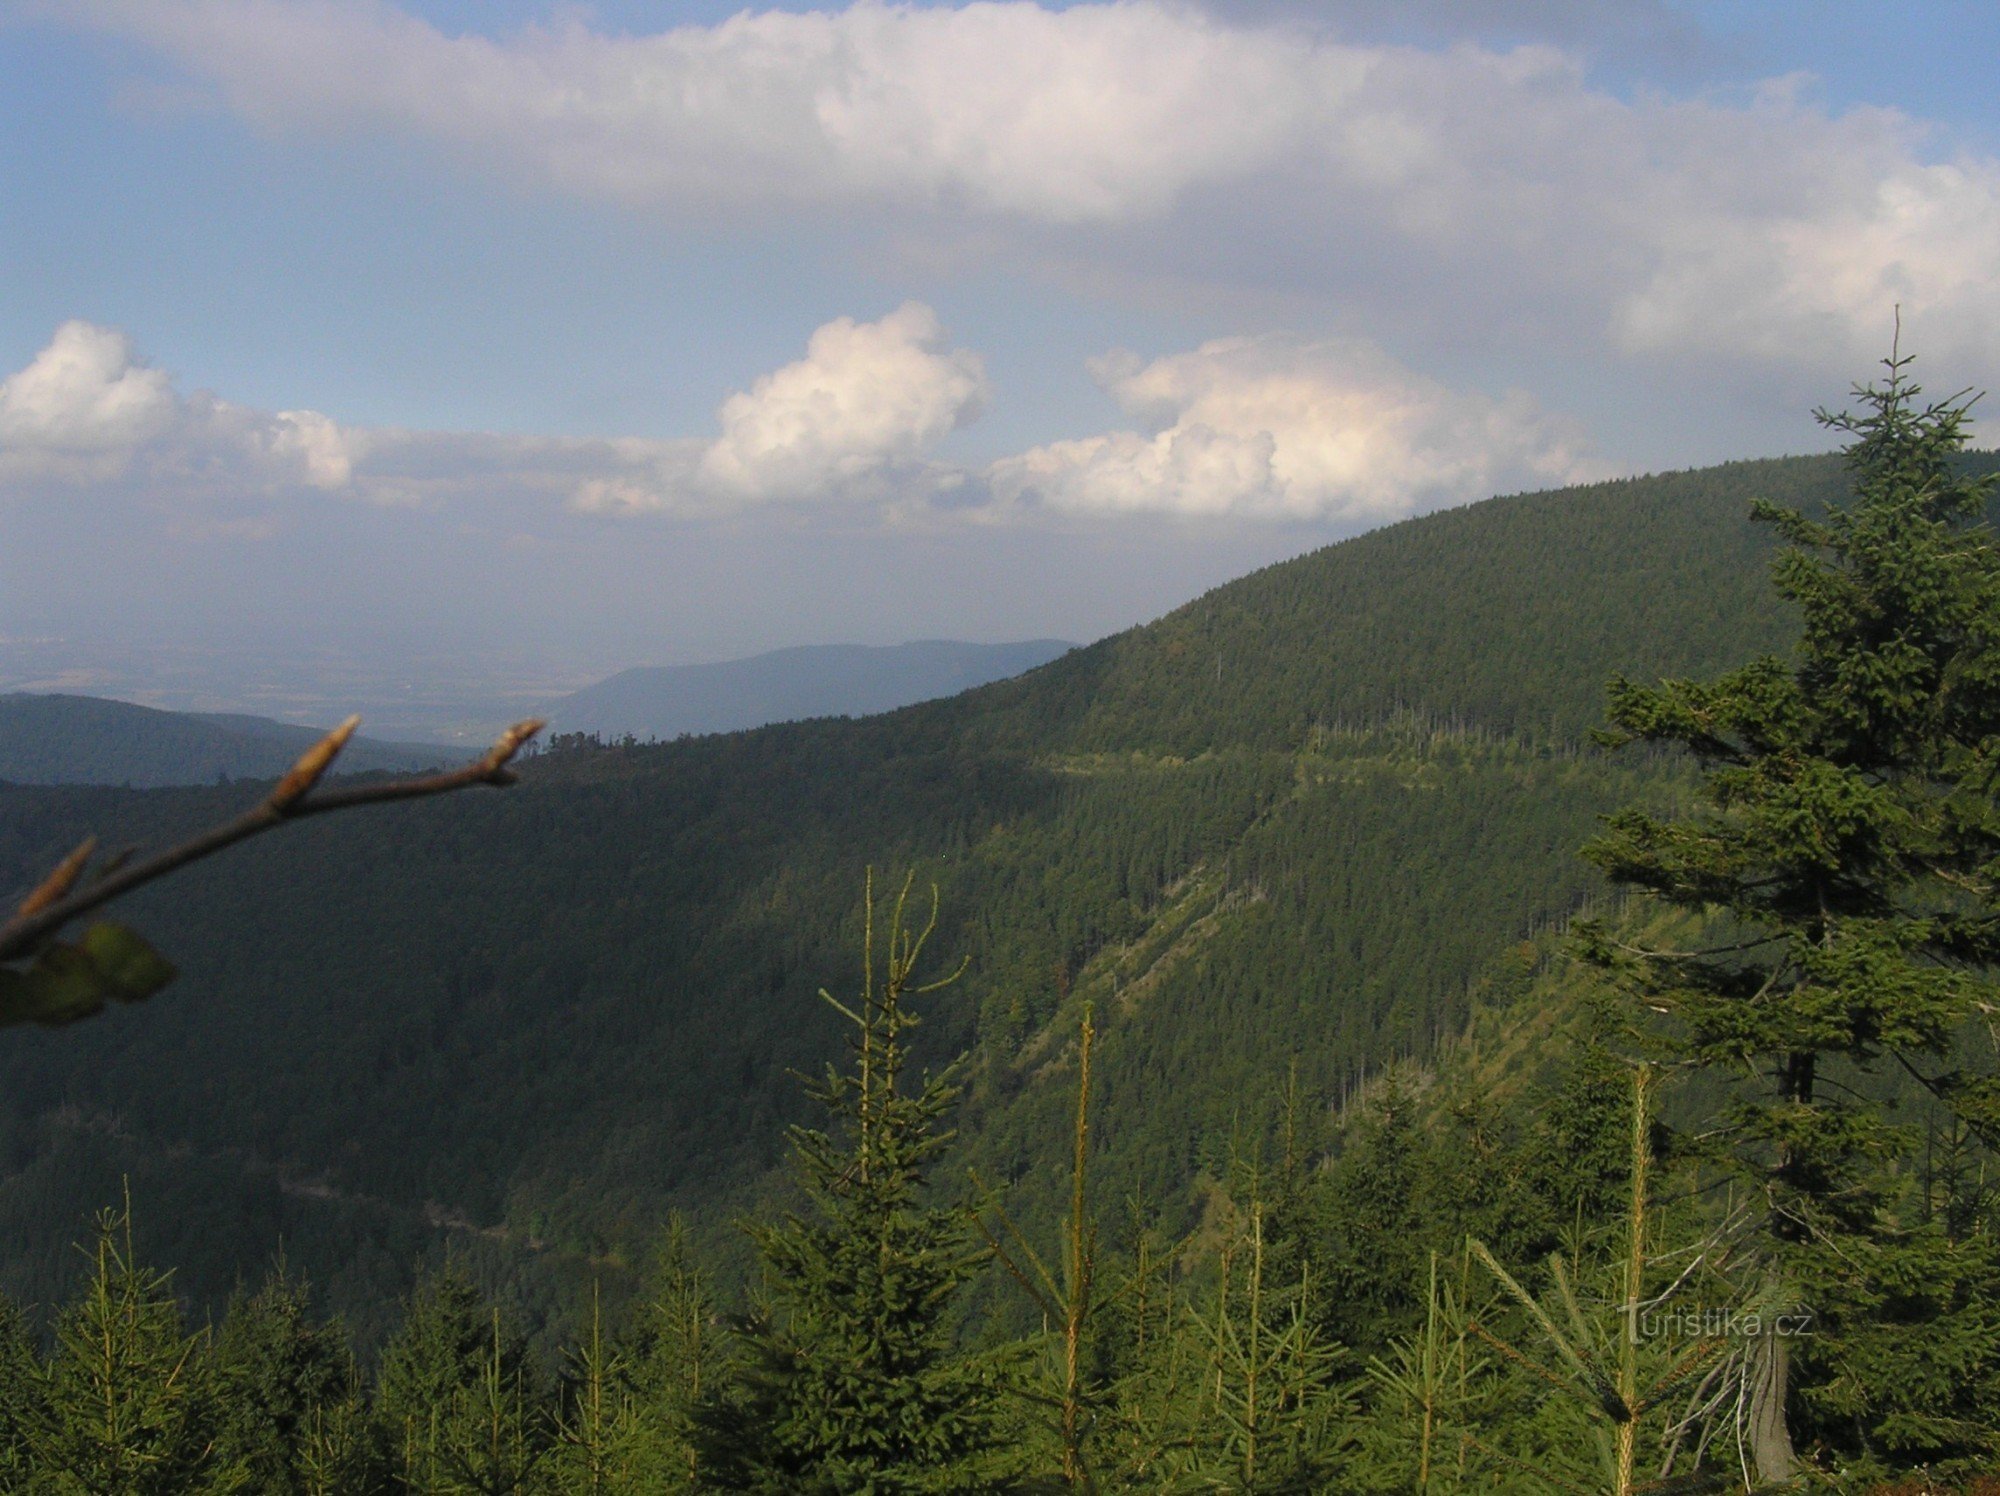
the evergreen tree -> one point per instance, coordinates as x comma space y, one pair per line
126, 1405
851, 1383
492, 1441
1843, 856
1154, 1363
1271, 1415
454, 1398
20, 1396
1063, 1377
278, 1376
1411, 1438
605, 1446
677, 1356
1374, 1207
339, 1452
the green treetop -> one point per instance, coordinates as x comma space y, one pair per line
1842, 852
852, 1383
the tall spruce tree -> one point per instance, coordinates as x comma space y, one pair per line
1843, 866
127, 1404
852, 1383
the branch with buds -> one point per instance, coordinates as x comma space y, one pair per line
66, 982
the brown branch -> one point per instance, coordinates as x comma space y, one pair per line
58, 883
58, 900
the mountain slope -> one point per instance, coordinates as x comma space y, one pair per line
56, 739
1509, 614
789, 685
533, 1021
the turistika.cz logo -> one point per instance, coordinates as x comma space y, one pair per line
1719, 1322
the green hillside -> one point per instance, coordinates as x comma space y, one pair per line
1291, 824
59, 739
1506, 615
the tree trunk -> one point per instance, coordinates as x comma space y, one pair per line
1770, 1436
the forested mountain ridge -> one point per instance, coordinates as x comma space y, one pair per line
1506, 615
1292, 823
63, 739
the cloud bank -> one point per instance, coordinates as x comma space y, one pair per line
1270, 427
1091, 113
1295, 428
1153, 138
851, 420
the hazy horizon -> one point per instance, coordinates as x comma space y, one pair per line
878, 322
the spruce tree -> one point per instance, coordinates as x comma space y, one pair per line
20, 1396
1067, 1376
605, 1445
454, 1396
1272, 1415
278, 1376
126, 1403
676, 1357
1842, 860
851, 1382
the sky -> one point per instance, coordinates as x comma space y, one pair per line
558, 338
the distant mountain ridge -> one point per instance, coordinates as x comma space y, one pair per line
59, 739
790, 685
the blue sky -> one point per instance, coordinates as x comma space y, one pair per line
651, 332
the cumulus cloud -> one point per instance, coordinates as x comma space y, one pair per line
315, 445
1144, 136
83, 406
867, 397
87, 408
852, 422
1272, 427
1294, 428
1819, 278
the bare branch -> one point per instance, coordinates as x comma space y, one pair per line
59, 900
312, 764
58, 883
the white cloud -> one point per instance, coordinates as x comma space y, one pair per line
1095, 112
315, 444
1821, 279
868, 398
1294, 428
83, 406
850, 423
1261, 427
1497, 193
87, 408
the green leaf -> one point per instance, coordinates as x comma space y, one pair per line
126, 961
66, 983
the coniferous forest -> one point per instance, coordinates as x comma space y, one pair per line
1500, 1004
